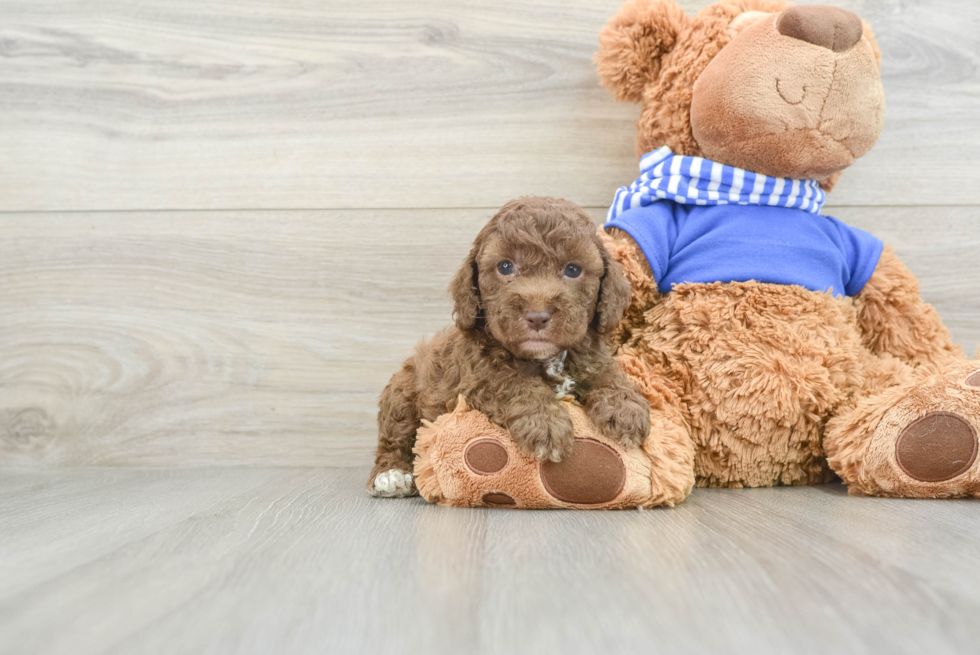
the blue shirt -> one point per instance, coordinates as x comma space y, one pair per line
739, 243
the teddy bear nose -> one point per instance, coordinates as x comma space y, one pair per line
828, 27
537, 320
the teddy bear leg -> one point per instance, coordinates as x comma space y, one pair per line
644, 293
669, 446
916, 438
464, 460
671, 452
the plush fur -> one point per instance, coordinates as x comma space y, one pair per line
777, 384
499, 356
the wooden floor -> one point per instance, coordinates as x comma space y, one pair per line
295, 561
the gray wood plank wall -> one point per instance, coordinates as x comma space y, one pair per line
222, 225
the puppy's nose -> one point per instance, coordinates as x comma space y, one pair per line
537, 320
828, 27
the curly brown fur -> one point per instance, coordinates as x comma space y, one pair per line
638, 273
498, 354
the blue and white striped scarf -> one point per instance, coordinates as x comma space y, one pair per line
698, 181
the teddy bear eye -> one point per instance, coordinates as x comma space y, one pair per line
505, 268
572, 270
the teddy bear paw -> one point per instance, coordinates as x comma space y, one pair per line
926, 445
394, 484
936, 447
497, 476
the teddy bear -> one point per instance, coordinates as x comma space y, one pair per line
776, 345
795, 347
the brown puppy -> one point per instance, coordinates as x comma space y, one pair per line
534, 301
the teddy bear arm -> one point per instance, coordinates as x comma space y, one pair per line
636, 269
893, 319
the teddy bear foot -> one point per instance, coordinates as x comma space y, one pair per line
469, 462
937, 447
464, 460
925, 445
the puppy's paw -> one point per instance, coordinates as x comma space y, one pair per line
624, 420
546, 434
393, 484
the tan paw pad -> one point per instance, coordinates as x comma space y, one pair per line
486, 457
594, 473
937, 447
498, 499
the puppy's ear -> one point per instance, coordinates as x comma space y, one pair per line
614, 295
632, 44
465, 291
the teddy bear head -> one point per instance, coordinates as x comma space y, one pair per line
782, 90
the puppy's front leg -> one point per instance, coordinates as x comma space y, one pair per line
398, 422
616, 406
535, 419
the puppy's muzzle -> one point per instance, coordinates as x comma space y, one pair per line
537, 321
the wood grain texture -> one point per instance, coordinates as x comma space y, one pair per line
264, 338
203, 104
181, 339
303, 561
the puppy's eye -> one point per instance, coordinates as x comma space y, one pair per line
572, 270
505, 268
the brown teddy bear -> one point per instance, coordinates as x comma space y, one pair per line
792, 344
774, 344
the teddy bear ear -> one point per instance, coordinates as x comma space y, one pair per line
870, 36
632, 44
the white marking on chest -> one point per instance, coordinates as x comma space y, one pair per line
555, 370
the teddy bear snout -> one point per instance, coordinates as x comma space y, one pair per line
828, 27
771, 94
